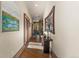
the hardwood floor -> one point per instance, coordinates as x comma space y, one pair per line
33, 39
34, 53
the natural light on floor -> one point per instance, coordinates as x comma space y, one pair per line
35, 45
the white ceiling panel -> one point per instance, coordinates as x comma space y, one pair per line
37, 8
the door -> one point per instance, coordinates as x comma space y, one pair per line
25, 30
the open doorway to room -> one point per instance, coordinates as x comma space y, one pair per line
37, 30
26, 29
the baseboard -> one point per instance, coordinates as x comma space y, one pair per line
53, 55
19, 52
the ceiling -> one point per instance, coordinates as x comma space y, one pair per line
37, 8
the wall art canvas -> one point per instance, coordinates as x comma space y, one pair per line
9, 22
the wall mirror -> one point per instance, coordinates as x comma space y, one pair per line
50, 21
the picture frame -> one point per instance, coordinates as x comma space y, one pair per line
50, 21
9, 22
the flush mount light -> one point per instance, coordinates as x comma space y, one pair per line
36, 5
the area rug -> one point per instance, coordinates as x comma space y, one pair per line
35, 45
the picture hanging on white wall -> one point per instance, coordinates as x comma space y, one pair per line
50, 21
9, 22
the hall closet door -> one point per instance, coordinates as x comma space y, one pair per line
25, 30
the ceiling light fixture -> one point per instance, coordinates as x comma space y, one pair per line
36, 5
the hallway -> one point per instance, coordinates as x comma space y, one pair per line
39, 29
23, 27
35, 52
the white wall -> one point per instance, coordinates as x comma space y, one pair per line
66, 39
66, 42
11, 42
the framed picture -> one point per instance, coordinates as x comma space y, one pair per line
50, 21
9, 22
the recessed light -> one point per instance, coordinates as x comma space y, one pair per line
36, 5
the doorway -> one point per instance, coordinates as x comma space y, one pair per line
26, 29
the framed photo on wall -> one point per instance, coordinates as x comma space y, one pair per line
9, 22
50, 21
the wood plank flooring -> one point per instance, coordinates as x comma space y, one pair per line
34, 53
